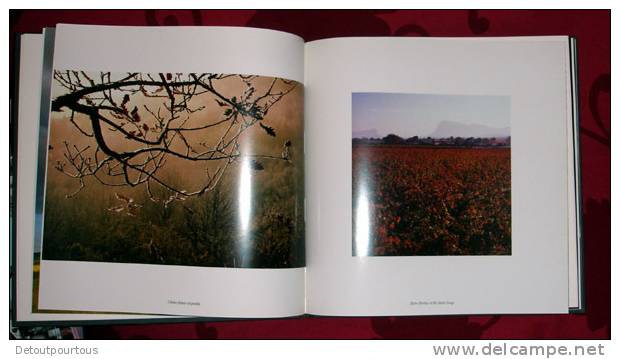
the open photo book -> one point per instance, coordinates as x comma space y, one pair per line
194, 173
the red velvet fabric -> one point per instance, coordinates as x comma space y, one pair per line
592, 29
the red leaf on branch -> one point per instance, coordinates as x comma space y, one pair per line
135, 115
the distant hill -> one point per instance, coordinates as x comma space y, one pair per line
449, 128
372, 133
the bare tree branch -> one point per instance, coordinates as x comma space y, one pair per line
156, 114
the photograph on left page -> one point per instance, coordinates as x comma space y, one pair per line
186, 169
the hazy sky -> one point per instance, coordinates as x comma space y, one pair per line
410, 115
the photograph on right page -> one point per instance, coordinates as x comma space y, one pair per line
431, 174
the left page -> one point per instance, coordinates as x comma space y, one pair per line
174, 172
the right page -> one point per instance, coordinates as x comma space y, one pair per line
437, 175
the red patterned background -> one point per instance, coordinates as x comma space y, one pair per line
592, 29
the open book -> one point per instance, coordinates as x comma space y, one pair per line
177, 173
